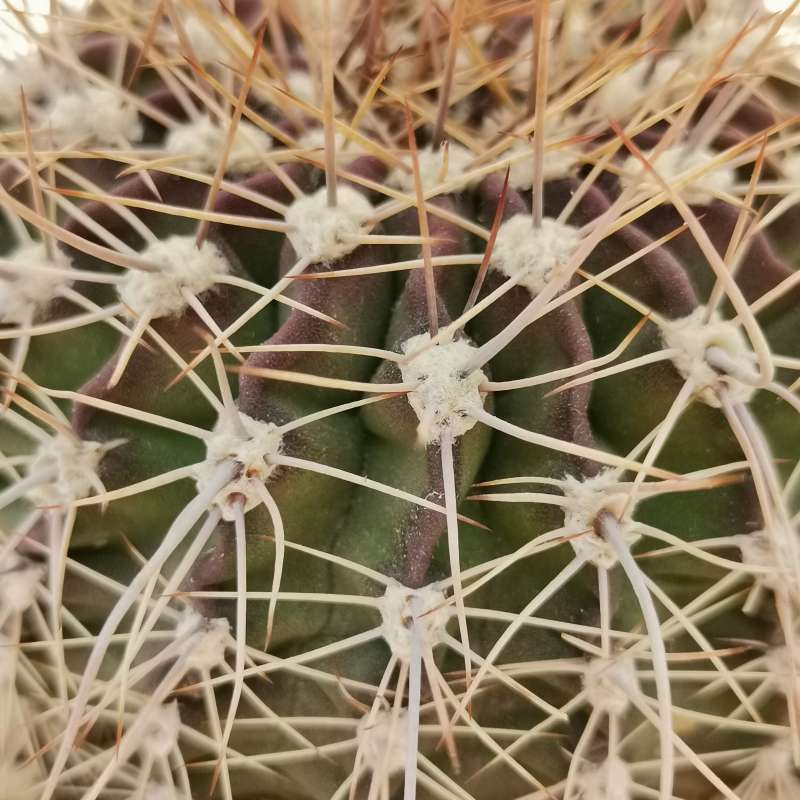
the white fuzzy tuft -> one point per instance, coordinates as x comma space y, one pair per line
208, 642
75, 462
720, 24
395, 607
405, 40
578, 33
313, 138
783, 666
448, 396
674, 162
19, 579
627, 90
533, 255
774, 776
624, 90
29, 72
434, 170
380, 745
182, 266
693, 337
776, 550
302, 86
610, 780
610, 683
29, 292
94, 116
584, 500
161, 734
206, 41
250, 444
557, 164
321, 232
200, 143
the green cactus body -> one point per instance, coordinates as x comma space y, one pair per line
400, 400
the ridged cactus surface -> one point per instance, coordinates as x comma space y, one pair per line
400, 400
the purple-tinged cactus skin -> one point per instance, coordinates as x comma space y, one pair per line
400, 399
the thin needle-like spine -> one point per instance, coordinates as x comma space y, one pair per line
422, 215
280, 551
414, 695
609, 529
328, 101
240, 540
541, 20
178, 531
450, 501
202, 231
456, 22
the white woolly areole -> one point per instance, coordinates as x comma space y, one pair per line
29, 72
610, 780
206, 40
610, 683
622, 91
95, 116
321, 233
783, 666
447, 396
579, 31
773, 776
405, 40
313, 138
75, 463
397, 612
29, 291
182, 266
161, 730
584, 500
443, 165
19, 579
557, 164
628, 89
674, 162
382, 745
200, 143
777, 551
720, 24
251, 443
302, 85
533, 255
693, 337
207, 641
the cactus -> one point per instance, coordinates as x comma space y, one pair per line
400, 400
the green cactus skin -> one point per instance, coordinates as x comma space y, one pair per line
400, 401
